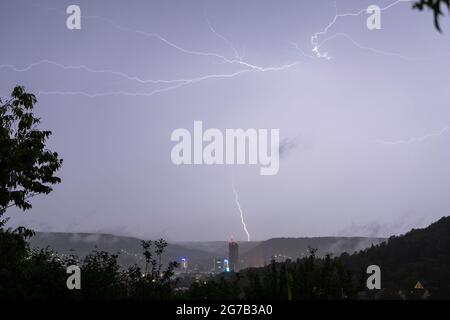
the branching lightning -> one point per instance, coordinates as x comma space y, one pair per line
87, 69
228, 42
236, 199
315, 37
415, 139
377, 51
316, 44
240, 66
238, 60
172, 84
181, 83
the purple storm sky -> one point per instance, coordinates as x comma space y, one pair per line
365, 132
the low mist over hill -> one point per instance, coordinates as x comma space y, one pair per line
129, 249
421, 255
200, 255
291, 248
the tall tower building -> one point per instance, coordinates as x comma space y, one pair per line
233, 255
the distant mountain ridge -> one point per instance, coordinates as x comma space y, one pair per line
129, 248
293, 248
201, 254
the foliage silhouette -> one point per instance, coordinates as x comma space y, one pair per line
26, 167
436, 7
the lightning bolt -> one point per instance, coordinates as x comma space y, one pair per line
316, 50
378, 51
228, 42
302, 52
177, 47
414, 140
178, 83
245, 67
173, 84
315, 37
87, 69
236, 199
144, 94
166, 89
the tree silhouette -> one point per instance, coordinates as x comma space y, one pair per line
26, 167
436, 7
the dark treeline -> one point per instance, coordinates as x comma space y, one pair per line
28, 168
413, 266
418, 256
421, 255
304, 279
41, 274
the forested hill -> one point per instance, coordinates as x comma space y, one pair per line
419, 255
281, 249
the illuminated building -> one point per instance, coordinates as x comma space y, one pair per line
233, 255
218, 265
184, 264
226, 265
